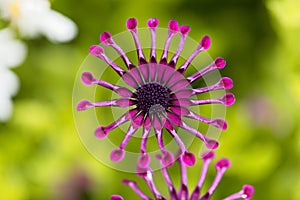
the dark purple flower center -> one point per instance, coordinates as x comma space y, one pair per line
152, 97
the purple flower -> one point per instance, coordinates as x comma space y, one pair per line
158, 94
183, 193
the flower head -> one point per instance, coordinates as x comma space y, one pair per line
183, 193
159, 94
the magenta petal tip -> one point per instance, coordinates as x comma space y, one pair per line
101, 132
223, 163
173, 26
131, 23
167, 159
219, 123
211, 144
188, 158
227, 83
152, 23
87, 78
205, 42
126, 181
117, 155
184, 29
248, 191
116, 197
105, 38
96, 50
220, 62
144, 160
142, 171
83, 105
208, 155
228, 99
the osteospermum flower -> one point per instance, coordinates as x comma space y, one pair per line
159, 94
183, 193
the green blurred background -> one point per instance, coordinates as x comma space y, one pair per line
41, 156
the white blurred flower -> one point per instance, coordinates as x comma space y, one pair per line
9, 85
35, 17
12, 53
